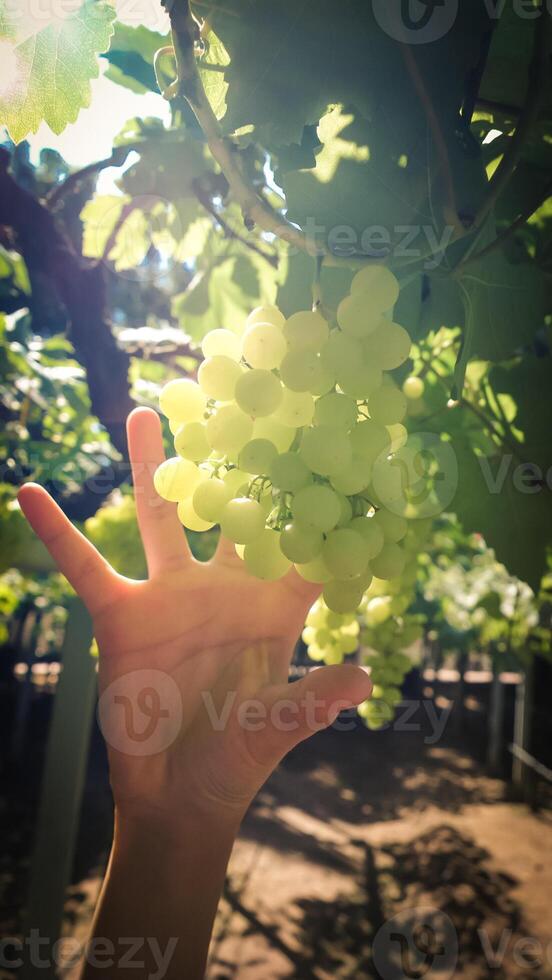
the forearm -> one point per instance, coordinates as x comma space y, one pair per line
162, 889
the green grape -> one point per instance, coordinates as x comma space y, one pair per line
356, 316
263, 557
342, 596
392, 695
242, 520
296, 408
387, 405
289, 472
265, 314
317, 615
306, 331
333, 656
337, 410
257, 456
390, 480
176, 479
209, 498
301, 370
345, 510
182, 400
353, 478
191, 441
380, 284
264, 346
269, 428
371, 532
324, 380
258, 392
228, 429
398, 435
378, 610
323, 637
341, 351
369, 439
359, 379
300, 543
217, 377
314, 571
236, 481
317, 506
345, 553
393, 526
308, 635
390, 561
325, 450
349, 644
221, 343
389, 346
190, 519
413, 387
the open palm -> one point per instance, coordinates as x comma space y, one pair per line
194, 700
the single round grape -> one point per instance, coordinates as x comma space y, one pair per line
190, 519
265, 314
300, 370
341, 351
353, 478
345, 553
221, 343
318, 506
264, 346
390, 481
413, 387
236, 481
372, 533
176, 479
317, 614
394, 526
257, 456
324, 380
387, 405
191, 441
301, 543
359, 379
337, 410
345, 510
356, 316
389, 346
182, 400
378, 610
264, 558
341, 597
390, 561
296, 408
209, 498
258, 392
349, 644
217, 377
242, 520
379, 283
269, 428
289, 472
325, 450
228, 429
369, 439
306, 331
314, 571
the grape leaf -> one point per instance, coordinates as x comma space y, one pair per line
212, 77
130, 57
52, 71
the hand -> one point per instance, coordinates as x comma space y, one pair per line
220, 637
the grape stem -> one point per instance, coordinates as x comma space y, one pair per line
185, 35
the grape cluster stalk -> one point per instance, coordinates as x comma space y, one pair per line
280, 440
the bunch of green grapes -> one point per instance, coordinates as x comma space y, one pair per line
277, 439
382, 628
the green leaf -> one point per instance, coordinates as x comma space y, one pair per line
212, 77
130, 57
53, 69
506, 303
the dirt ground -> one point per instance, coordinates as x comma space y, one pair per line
362, 838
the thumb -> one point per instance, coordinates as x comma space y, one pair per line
298, 710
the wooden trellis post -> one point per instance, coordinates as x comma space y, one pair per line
62, 787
